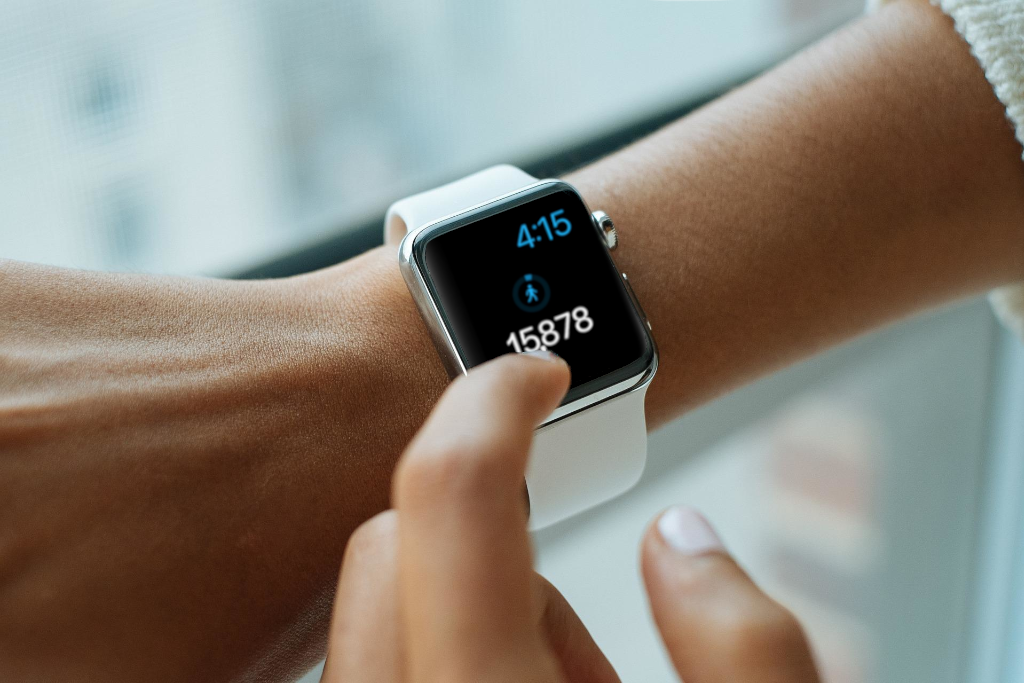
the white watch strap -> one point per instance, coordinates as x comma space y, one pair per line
455, 197
581, 460
587, 458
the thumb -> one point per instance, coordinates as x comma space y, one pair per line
717, 625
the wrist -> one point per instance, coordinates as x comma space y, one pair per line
378, 355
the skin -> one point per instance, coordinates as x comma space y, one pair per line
178, 464
183, 461
459, 520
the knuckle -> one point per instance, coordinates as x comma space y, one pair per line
455, 472
514, 381
373, 534
753, 631
24, 420
509, 378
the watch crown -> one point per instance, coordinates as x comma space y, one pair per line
606, 227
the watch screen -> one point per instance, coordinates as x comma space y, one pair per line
533, 274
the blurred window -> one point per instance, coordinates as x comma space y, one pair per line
205, 135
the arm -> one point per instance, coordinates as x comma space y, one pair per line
870, 177
182, 461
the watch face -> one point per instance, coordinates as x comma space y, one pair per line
532, 272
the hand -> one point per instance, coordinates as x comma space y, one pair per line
442, 588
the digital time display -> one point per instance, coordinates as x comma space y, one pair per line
560, 226
533, 273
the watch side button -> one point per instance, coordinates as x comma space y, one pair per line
606, 227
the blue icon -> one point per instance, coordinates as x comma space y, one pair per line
531, 293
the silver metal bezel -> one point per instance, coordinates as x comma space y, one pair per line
442, 336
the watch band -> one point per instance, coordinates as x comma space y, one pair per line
585, 458
455, 197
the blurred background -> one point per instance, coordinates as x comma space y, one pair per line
876, 490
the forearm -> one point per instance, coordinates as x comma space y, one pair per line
869, 177
182, 462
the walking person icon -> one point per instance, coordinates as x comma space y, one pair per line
531, 293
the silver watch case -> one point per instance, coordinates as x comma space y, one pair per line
442, 336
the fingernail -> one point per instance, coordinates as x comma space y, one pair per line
684, 529
543, 354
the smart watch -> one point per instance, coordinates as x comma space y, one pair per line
500, 262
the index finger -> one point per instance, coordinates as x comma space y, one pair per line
465, 564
